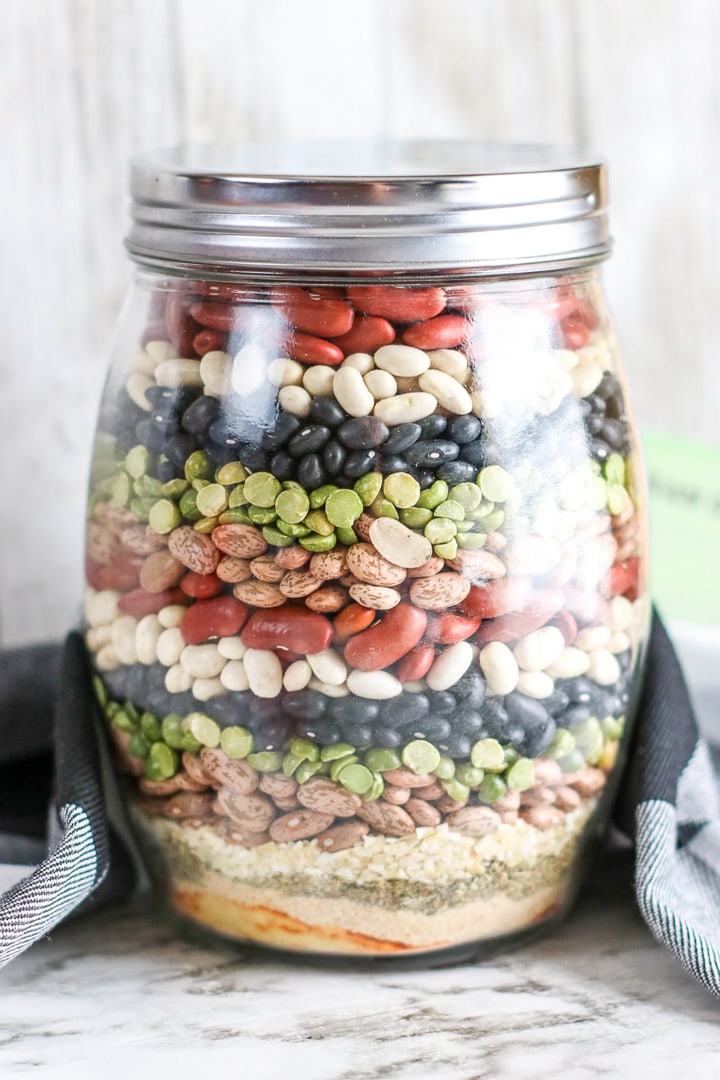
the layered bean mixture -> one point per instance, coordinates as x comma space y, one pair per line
365, 594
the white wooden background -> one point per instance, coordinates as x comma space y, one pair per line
84, 83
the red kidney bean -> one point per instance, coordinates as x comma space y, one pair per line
367, 334
205, 619
140, 602
569, 306
443, 332
93, 571
494, 598
624, 577
416, 664
123, 570
181, 327
314, 350
323, 317
567, 626
389, 640
397, 304
201, 586
352, 620
513, 626
575, 334
209, 341
447, 628
297, 629
328, 292
225, 290
217, 315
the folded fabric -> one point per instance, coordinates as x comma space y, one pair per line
52, 865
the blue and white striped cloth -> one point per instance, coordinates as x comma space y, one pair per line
668, 804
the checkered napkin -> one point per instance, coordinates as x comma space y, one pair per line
66, 858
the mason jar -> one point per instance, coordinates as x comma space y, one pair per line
366, 543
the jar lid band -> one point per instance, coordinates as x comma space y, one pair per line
384, 207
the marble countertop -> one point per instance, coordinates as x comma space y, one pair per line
120, 994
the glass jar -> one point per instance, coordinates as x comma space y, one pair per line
366, 547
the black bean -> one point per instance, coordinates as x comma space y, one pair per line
607, 704
608, 386
594, 424
400, 437
596, 403
432, 426
599, 450
457, 472
219, 455
430, 453
468, 722
198, 417
228, 709
359, 462
309, 439
476, 453
273, 735
579, 689
334, 457
325, 731
387, 737
168, 424
357, 734
150, 435
405, 709
390, 463
613, 433
179, 448
165, 470
262, 711
538, 726
424, 477
177, 397
556, 702
224, 434
363, 433
458, 745
464, 429
574, 715
327, 411
311, 473
136, 683
353, 708
283, 466
253, 457
434, 728
285, 427
470, 689
442, 702
304, 704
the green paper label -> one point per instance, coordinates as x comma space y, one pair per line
684, 483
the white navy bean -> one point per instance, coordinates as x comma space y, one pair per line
123, 638
136, 385
604, 667
231, 648
381, 384
297, 675
178, 372
107, 659
147, 632
448, 391
160, 350
405, 408
619, 642
539, 649
362, 362
204, 689
535, 684
328, 667
402, 360
451, 362
101, 607
98, 636
375, 685
249, 369
350, 390
215, 371
170, 646
234, 676
318, 380
499, 667
450, 665
143, 363
202, 661
285, 372
172, 615
621, 614
295, 400
328, 689
177, 680
570, 663
593, 637
264, 672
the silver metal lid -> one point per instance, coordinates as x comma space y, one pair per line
384, 207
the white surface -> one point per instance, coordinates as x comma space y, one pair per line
83, 84
120, 995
